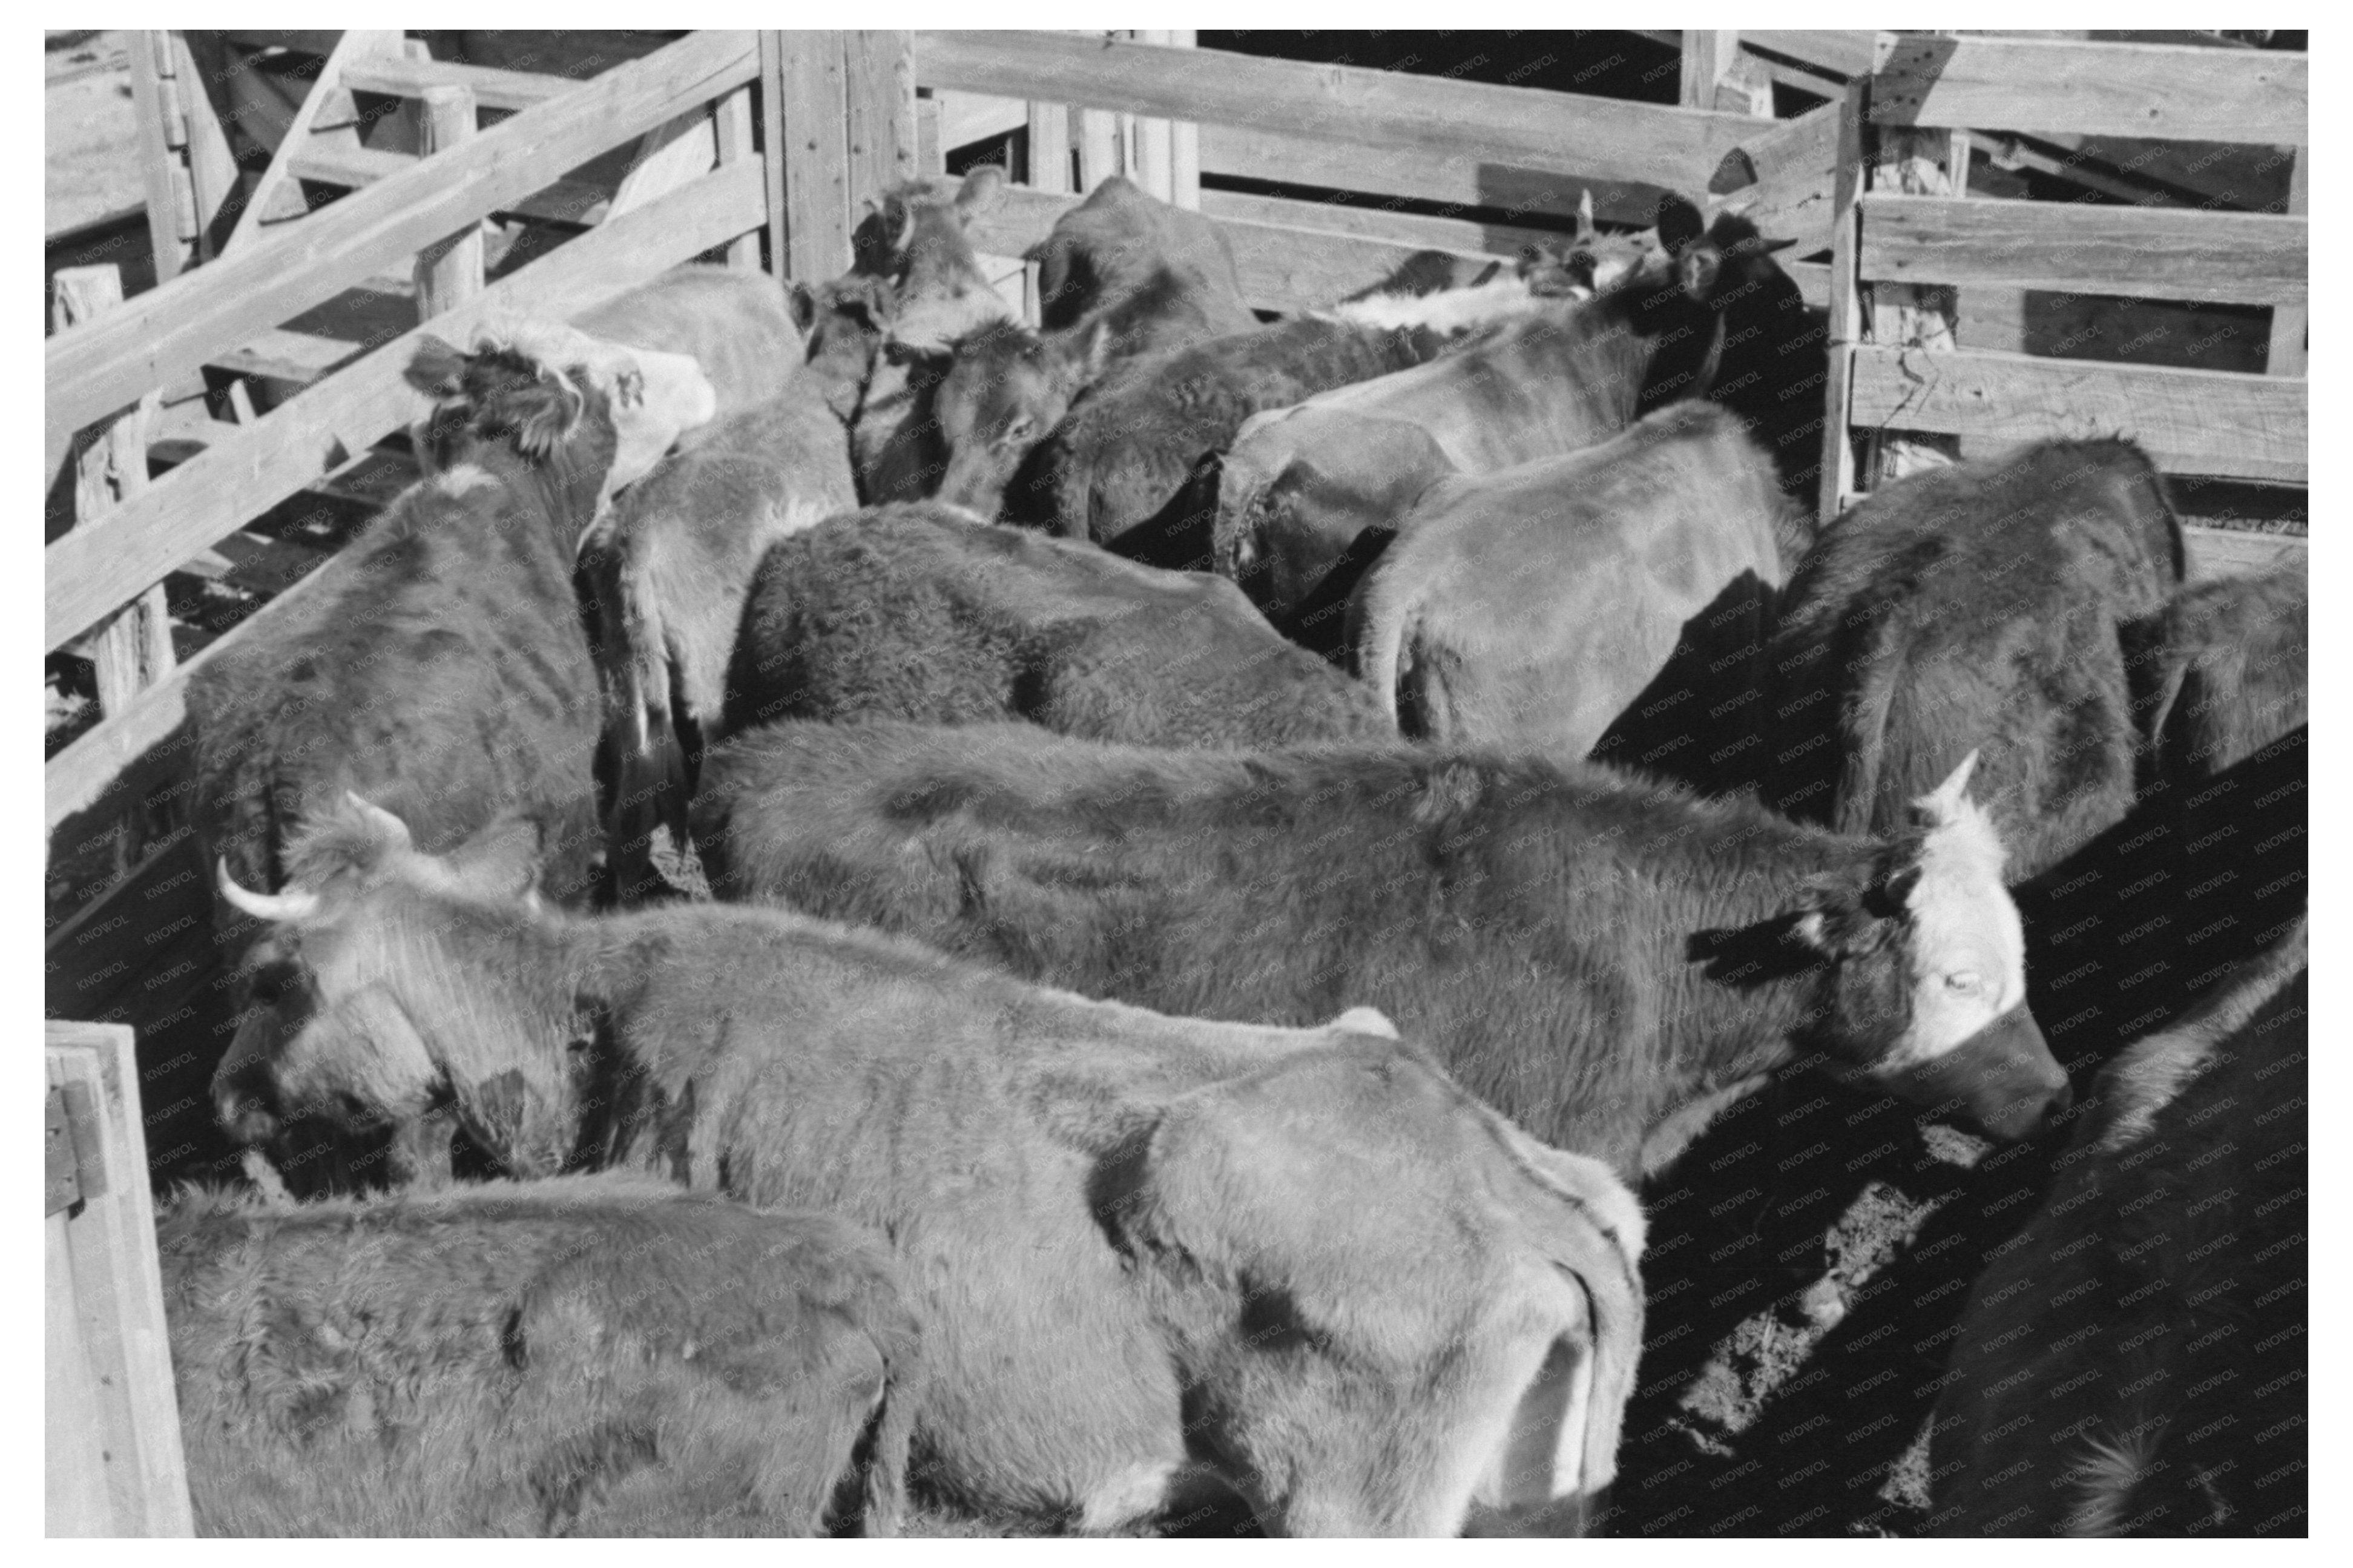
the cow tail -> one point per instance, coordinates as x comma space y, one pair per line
649, 766
1378, 644
1613, 1298
886, 1463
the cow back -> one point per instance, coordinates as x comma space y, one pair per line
734, 324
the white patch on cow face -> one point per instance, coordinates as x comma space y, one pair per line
667, 395
1365, 1021
1968, 950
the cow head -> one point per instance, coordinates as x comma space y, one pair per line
1007, 387
559, 399
391, 980
845, 321
1924, 991
915, 239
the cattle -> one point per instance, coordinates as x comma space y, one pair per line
441, 662
1528, 608
1606, 961
1121, 243
1302, 485
735, 324
915, 290
1125, 452
2134, 1361
599, 1355
919, 612
1144, 1249
1972, 605
664, 575
2219, 673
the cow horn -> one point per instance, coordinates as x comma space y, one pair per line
292, 905
1940, 804
390, 828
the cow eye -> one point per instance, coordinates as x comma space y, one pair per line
1965, 982
1018, 430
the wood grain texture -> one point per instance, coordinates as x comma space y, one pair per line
93, 570
1557, 132
2164, 252
1432, 175
2233, 552
815, 95
492, 87
2167, 91
2190, 421
174, 328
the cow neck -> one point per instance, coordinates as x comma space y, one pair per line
559, 492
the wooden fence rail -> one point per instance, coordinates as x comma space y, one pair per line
1888, 240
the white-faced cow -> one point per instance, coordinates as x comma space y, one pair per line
1607, 962
664, 574
1142, 1248
1529, 609
599, 1355
919, 612
1122, 457
1302, 485
735, 324
441, 662
2133, 1363
1975, 605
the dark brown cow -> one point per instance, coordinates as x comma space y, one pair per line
2220, 672
441, 662
1121, 243
1528, 608
1610, 962
1976, 604
583, 1356
920, 612
2135, 1361
1141, 1247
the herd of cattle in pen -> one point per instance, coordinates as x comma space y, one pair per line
1100, 926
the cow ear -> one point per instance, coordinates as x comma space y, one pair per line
438, 368
983, 189
800, 304
503, 861
1090, 357
1889, 899
542, 413
1680, 223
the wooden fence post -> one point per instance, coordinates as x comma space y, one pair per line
448, 273
1912, 162
1845, 301
2290, 322
132, 648
731, 124
809, 155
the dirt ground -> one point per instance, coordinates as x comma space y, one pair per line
87, 129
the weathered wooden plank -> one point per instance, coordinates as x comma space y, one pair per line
492, 87
1844, 305
2191, 421
118, 1286
1606, 139
2290, 323
91, 570
2164, 252
730, 128
1783, 180
447, 273
174, 328
2169, 91
969, 117
160, 170
878, 71
814, 94
355, 168
354, 44
1422, 173
1412, 229
2234, 553
1845, 52
301, 357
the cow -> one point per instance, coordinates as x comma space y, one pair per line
1125, 452
1301, 484
586, 1355
1145, 1252
440, 661
737, 325
1967, 605
919, 612
1606, 961
664, 575
2134, 1362
2220, 672
1529, 609
1120, 244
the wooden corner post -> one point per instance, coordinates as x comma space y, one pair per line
840, 111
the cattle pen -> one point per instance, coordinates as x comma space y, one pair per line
272, 322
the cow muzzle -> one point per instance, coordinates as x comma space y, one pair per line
2003, 1079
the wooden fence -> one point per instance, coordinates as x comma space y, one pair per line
112, 1457
1907, 233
